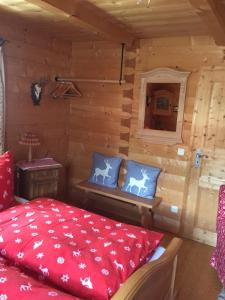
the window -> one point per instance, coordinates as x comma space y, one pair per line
162, 105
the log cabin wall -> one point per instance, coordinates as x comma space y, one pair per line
105, 118
31, 55
100, 120
95, 123
189, 54
95, 118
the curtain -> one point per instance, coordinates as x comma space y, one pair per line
2, 102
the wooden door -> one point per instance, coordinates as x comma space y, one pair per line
208, 135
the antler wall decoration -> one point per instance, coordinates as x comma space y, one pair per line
37, 89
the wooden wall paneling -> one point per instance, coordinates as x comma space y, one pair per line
93, 138
105, 119
30, 56
129, 76
100, 121
206, 209
166, 223
170, 52
93, 124
95, 120
201, 205
198, 133
168, 165
144, 147
129, 71
109, 126
92, 60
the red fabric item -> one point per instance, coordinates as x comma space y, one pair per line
17, 285
6, 180
217, 260
87, 255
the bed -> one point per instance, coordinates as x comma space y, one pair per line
49, 249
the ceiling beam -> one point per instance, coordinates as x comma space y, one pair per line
89, 17
212, 13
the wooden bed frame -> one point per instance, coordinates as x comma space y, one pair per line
155, 280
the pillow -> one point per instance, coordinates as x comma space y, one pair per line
105, 170
6, 180
141, 179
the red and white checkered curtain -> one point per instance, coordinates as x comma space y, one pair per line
2, 102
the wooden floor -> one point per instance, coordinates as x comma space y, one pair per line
196, 279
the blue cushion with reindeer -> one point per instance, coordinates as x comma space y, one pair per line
105, 170
141, 179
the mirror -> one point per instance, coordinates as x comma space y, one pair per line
161, 108
162, 105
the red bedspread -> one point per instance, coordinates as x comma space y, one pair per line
16, 285
218, 258
85, 254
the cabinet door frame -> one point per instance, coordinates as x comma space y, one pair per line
162, 75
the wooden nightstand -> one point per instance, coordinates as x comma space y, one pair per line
38, 178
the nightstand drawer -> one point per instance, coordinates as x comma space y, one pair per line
45, 174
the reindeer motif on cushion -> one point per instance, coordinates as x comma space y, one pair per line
103, 172
139, 183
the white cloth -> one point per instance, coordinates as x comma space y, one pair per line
158, 252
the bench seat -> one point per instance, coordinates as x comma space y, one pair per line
145, 206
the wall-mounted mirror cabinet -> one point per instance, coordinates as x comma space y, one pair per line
161, 107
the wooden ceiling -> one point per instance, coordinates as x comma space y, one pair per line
120, 20
160, 18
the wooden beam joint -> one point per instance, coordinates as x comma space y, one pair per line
212, 13
90, 17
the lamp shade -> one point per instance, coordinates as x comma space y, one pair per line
29, 139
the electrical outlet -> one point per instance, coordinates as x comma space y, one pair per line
180, 151
174, 209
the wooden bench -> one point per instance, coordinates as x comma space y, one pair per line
145, 206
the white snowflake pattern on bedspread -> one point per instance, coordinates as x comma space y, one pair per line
85, 254
16, 285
